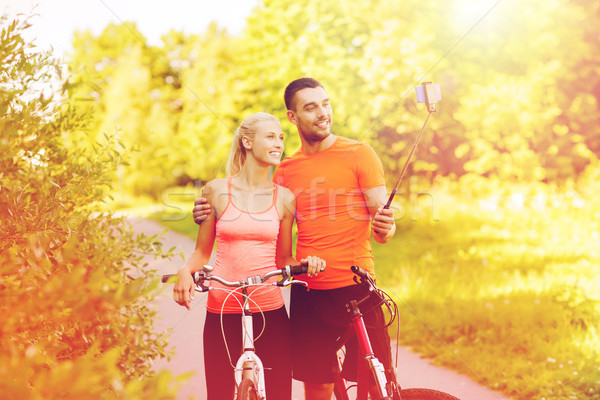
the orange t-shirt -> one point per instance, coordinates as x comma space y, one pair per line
333, 220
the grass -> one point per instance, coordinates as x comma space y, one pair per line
501, 285
504, 292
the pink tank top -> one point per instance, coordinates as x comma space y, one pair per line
246, 245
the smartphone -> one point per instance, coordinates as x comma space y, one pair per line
431, 89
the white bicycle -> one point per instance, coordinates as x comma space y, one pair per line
249, 371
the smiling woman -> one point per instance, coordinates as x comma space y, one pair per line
251, 222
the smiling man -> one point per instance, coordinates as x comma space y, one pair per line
340, 193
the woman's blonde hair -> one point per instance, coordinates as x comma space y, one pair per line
237, 155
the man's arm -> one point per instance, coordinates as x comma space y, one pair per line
382, 219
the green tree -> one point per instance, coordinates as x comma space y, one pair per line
573, 137
514, 104
209, 113
518, 103
173, 102
322, 39
120, 78
74, 291
402, 52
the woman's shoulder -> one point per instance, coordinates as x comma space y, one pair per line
216, 186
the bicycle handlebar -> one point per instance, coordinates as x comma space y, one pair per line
365, 279
360, 272
286, 272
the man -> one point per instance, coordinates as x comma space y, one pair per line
340, 193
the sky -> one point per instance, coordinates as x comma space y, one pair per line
58, 19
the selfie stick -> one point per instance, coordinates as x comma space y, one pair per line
431, 98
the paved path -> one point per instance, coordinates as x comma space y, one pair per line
186, 338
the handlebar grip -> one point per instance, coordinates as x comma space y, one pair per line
359, 271
298, 270
165, 278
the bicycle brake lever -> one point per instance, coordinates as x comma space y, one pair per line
283, 282
367, 281
199, 279
287, 281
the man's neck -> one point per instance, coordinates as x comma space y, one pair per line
315, 147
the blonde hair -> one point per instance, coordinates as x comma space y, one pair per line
237, 154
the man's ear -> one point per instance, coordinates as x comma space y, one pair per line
246, 142
291, 117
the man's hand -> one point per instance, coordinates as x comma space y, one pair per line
315, 265
201, 209
383, 225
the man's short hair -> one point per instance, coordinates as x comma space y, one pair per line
297, 85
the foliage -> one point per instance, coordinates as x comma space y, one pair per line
162, 101
74, 291
517, 103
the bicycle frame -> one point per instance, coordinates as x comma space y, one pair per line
249, 364
368, 365
369, 362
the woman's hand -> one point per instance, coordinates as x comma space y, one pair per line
315, 265
183, 291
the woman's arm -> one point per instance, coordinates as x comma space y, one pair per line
183, 291
284, 240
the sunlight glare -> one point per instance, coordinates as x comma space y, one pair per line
468, 13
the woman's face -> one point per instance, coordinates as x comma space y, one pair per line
267, 145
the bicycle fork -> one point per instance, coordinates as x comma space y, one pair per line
370, 365
249, 365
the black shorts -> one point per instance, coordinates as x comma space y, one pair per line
318, 318
272, 347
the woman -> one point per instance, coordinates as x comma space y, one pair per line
251, 219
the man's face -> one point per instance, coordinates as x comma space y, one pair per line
311, 113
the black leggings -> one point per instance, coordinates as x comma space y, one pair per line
273, 348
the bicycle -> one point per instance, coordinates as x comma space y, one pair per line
249, 371
370, 370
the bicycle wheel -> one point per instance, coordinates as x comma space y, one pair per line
246, 390
425, 394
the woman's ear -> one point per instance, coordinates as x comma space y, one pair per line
246, 142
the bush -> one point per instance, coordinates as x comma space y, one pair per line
73, 289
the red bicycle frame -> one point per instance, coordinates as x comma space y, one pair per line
371, 378
366, 364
